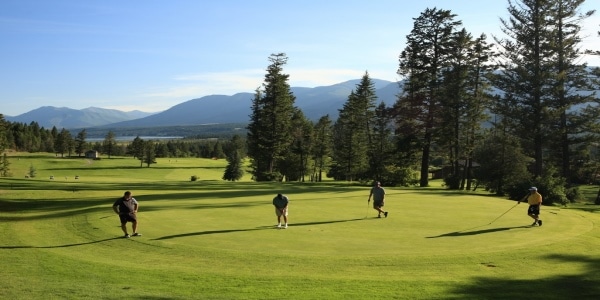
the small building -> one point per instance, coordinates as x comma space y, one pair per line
92, 154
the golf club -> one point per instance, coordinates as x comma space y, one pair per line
367, 214
500, 216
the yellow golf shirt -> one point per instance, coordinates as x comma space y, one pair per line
534, 199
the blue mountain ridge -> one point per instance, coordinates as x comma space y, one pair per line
314, 103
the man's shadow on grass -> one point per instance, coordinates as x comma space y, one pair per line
60, 246
250, 229
471, 231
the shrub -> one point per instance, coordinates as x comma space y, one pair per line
574, 194
550, 185
399, 176
452, 182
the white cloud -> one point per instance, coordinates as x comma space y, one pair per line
210, 83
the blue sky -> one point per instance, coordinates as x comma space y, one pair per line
150, 55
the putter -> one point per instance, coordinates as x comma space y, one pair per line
367, 215
504, 213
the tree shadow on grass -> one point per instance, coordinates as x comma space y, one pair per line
59, 246
199, 233
585, 285
468, 232
220, 189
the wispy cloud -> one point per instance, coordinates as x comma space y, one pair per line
210, 83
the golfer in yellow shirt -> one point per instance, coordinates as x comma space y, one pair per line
535, 201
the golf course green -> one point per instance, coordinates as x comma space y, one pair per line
213, 239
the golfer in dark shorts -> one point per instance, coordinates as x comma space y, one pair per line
378, 194
126, 207
281, 203
534, 199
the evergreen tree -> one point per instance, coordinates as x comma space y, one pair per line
464, 104
64, 142
80, 143
270, 122
381, 149
136, 149
70, 145
4, 163
4, 166
503, 163
3, 133
542, 83
237, 143
32, 137
9, 137
162, 150
526, 68
217, 151
32, 171
352, 133
47, 141
109, 143
321, 150
149, 153
234, 170
570, 83
478, 102
53, 133
294, 165
454, 105
423, 62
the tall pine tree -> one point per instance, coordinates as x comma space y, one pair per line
321, 150
352, 133
80, 142
270, 122
570, 84
541, 81
422, 64
109, 144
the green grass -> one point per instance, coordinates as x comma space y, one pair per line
212, 239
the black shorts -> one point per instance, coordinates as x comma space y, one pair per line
533, 210
377, 203
130, 217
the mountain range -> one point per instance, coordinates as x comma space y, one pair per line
314, 103
64, 117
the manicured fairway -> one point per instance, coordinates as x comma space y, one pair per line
212, 239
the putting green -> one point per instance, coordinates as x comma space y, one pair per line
217, 240
337, 225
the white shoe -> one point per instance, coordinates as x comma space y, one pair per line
285, 226
278, 225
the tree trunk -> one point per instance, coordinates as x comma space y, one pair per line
424, 181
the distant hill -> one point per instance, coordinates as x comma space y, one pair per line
63, 117
220, 109
314, 102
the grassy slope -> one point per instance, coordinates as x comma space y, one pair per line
214, 239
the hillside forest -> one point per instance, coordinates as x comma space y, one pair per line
499, 116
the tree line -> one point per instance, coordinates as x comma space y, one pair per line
33, 138
499, 116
